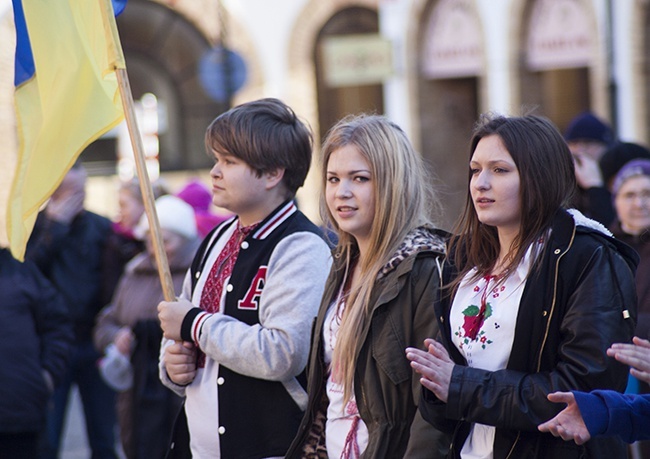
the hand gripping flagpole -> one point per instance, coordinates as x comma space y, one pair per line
145, 185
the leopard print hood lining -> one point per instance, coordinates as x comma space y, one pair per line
420, 239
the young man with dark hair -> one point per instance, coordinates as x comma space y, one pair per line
237, 341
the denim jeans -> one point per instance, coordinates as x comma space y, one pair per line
98, 401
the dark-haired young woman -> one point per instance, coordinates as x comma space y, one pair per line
535, 295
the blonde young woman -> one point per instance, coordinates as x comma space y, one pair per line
378, 299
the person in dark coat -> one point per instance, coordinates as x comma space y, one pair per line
631, 191
67, 245
589, 138
535, 295
35, 341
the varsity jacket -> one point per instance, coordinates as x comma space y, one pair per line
578, 300
257, 345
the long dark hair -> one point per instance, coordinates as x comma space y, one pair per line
547, 183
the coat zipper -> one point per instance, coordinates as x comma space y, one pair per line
548, 320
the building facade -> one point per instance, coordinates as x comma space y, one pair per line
431, 65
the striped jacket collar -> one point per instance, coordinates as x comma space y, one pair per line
274, 219
269, 224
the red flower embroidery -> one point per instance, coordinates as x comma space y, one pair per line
472, 323
475, 316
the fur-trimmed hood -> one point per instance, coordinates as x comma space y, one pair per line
420, 239
581, 220
585, 224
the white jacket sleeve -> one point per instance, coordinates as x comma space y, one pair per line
277, 348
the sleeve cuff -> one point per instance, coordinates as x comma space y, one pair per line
594, 412
188, 321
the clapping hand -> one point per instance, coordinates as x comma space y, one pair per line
434, 365
635, 355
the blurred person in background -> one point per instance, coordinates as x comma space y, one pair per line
198, 195
122, 245
35, 341
631, 190
67, 245
618, 156
129, 325
589, 138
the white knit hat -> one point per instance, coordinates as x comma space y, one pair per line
174, 214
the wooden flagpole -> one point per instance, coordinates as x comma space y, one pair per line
145, 185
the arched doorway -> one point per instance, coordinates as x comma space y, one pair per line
162, 51
450, 69
556, 71
337, 99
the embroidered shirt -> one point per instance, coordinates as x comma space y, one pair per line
482, 318
346, 434
212, 292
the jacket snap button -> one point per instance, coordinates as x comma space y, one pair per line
220, 381
557, 251
222, 430
244, 245
229, 288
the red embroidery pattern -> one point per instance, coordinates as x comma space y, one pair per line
351, 448
475, 316
220, 271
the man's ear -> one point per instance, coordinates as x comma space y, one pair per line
274, 177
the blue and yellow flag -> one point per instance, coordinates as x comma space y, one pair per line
67, 96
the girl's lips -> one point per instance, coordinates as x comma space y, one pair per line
345, 211
482, 202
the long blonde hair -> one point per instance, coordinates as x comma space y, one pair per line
403, 201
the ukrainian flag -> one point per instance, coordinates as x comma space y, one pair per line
67, 96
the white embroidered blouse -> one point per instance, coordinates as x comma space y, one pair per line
346, 435
482, 319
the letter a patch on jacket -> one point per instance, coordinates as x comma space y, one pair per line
252, 297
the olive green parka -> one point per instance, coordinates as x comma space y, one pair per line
387, 390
